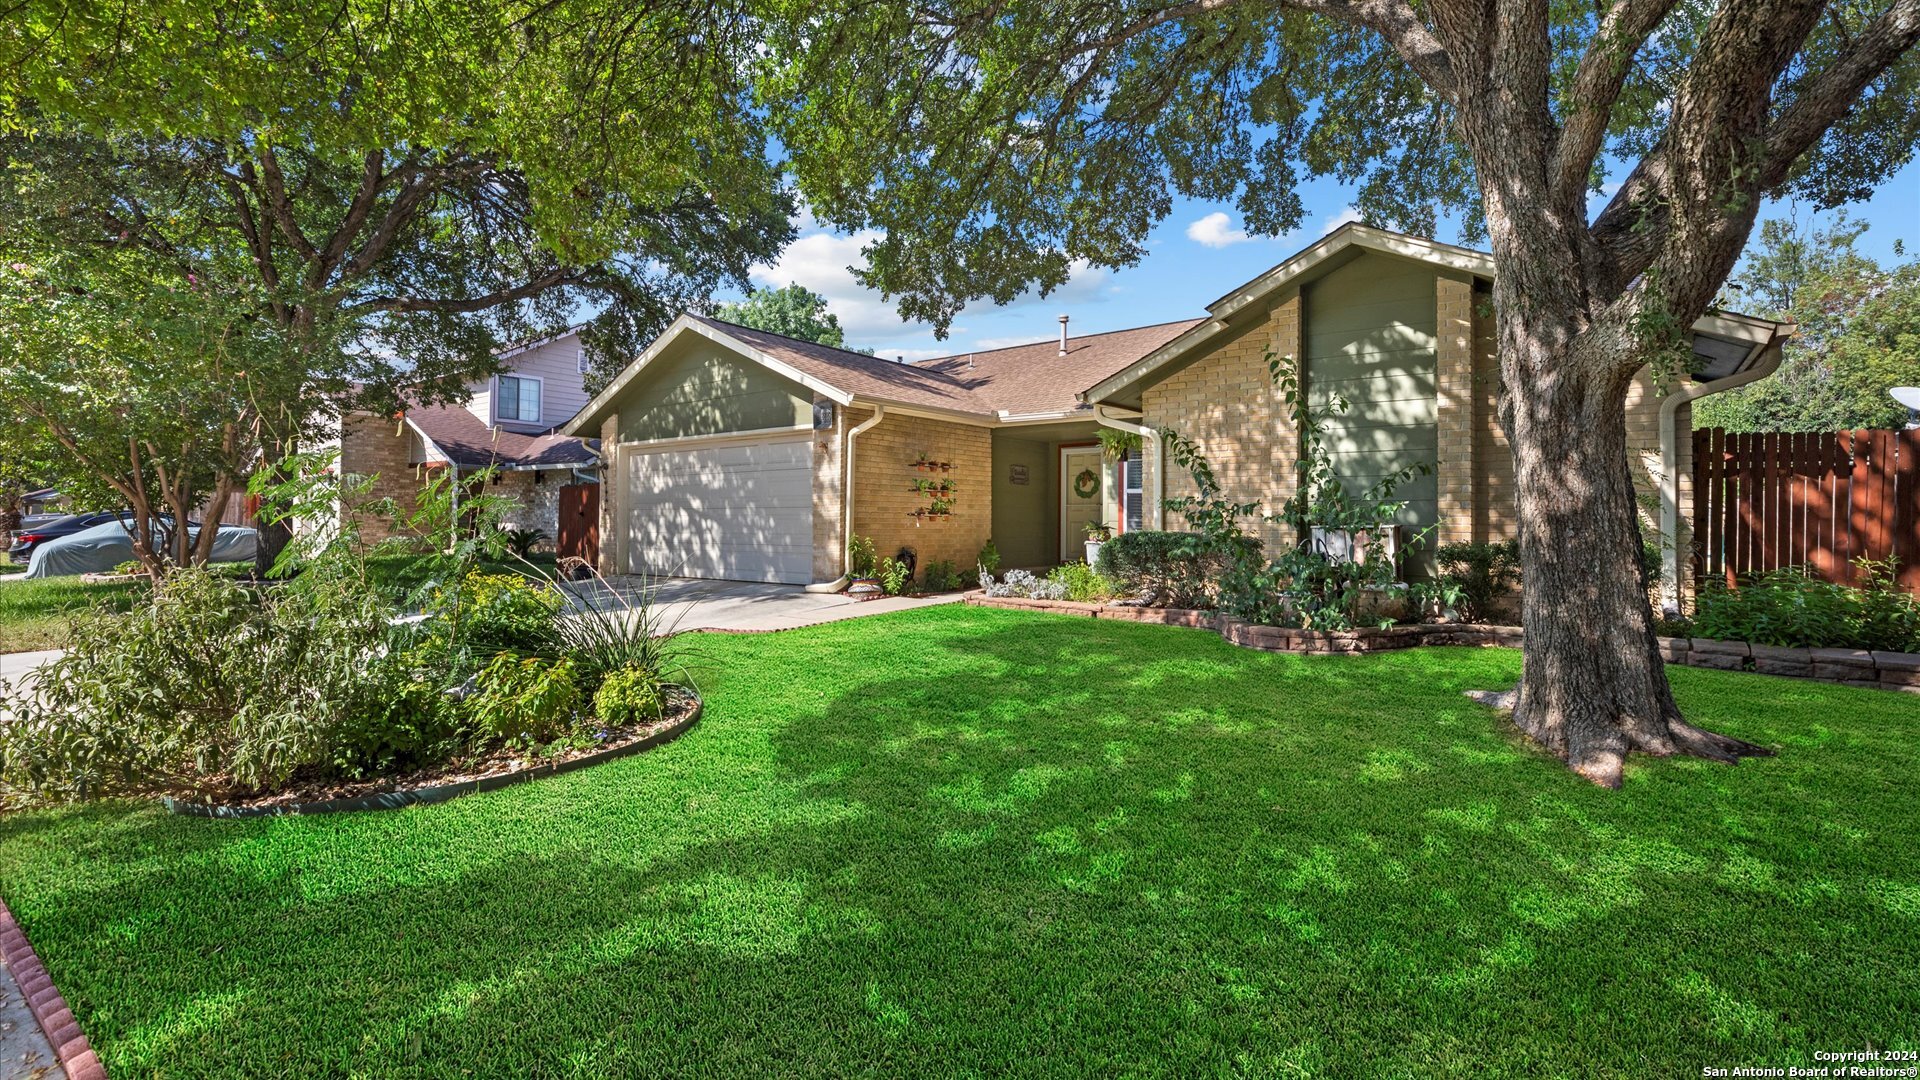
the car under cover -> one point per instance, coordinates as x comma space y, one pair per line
103, 547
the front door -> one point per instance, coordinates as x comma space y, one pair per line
1081, 489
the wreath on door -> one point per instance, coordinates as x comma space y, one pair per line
1086, 484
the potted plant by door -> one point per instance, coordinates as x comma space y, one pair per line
1098, 532
863, 569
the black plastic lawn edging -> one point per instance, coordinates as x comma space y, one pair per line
394, 800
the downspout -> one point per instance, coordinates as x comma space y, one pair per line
1769, 360
1148, 437
846, 508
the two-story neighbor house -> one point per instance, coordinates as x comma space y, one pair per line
509, 425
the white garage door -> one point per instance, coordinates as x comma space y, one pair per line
742, 511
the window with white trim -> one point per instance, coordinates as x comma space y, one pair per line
519, 399
1132, 493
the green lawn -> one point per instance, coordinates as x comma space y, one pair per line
972, 842
35, 614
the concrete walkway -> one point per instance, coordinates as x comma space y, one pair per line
698, 604
25, 1053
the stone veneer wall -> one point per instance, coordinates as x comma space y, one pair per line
613, 539
883, 458
1227, 403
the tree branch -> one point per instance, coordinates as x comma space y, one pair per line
1596, 85
278, 206
461, 305
372, 179
1826, 97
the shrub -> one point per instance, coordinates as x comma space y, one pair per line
209, 688
611, 630
894, 575
1793, 609
629, 696
522, 541
862, 560
1481, 572
940, 576
526, 701
1083, 582
988, 561
1020, 583
1170, 569
501, 612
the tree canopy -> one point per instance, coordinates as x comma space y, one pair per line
795, 311
1858, 336
989, 145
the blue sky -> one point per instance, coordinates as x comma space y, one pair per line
1195, 255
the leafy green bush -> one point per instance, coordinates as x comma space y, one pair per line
1793, 609
941, 576
894, 576
501, 613
988, 561
862, 560
1083, 582
629, 696
208, 688
526, 701
1171, 569
522, 541
1481, 572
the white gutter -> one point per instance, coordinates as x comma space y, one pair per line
846, 507
1768, 360
1148, 436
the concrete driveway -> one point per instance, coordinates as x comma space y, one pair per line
700, 604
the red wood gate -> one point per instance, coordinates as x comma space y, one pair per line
579, 522
1765, 501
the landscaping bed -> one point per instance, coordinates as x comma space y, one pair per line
1869, 668
488, 771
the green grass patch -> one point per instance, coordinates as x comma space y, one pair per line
37, 614
966, 842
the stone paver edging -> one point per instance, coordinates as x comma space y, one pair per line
1848, 667
70, 1044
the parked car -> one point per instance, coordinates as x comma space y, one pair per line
101, 548
34, 533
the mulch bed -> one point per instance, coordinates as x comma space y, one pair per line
457, 777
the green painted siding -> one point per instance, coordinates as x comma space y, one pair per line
699, 388
1024, 526
1369, 338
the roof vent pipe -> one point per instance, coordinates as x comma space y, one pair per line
1063, 335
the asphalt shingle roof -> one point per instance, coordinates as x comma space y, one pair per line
467, 441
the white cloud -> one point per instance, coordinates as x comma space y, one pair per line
823, 261
1350, 214
1216, 230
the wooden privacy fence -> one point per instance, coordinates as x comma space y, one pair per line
1765, 501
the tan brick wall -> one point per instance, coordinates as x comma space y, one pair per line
829, 495
382, 448
612, 489
1493, 516
883, 503
1227, 403
1457, 408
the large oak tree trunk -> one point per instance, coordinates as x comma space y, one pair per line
1594, 688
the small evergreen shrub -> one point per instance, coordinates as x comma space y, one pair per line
526, 701
1791, 608
502, 613
1170, 569
1083, 582
629, 696
1482, 573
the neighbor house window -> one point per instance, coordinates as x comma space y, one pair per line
1132, 495
519, 399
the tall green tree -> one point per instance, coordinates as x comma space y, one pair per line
795, 311
1859, 333
401, 187
993, 143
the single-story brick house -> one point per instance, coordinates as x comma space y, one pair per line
509, 424
734, 453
